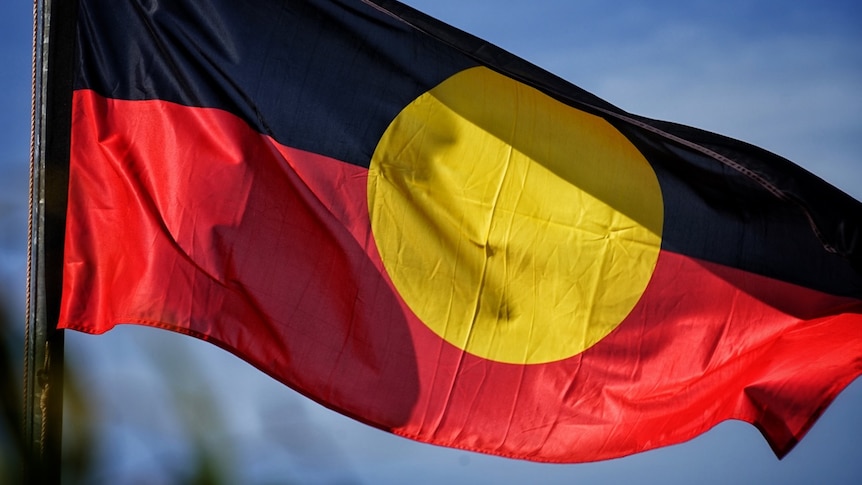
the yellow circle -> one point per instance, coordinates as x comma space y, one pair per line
515, 227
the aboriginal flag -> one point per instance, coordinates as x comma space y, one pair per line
430, 235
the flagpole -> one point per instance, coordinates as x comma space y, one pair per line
53, 47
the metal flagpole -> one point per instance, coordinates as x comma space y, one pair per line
53, 48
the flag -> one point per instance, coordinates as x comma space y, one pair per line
425, 233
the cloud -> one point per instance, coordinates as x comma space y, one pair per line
792, 92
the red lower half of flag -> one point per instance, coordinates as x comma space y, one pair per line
186, 219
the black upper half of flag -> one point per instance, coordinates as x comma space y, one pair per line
328, 76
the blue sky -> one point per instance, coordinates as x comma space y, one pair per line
786, 76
